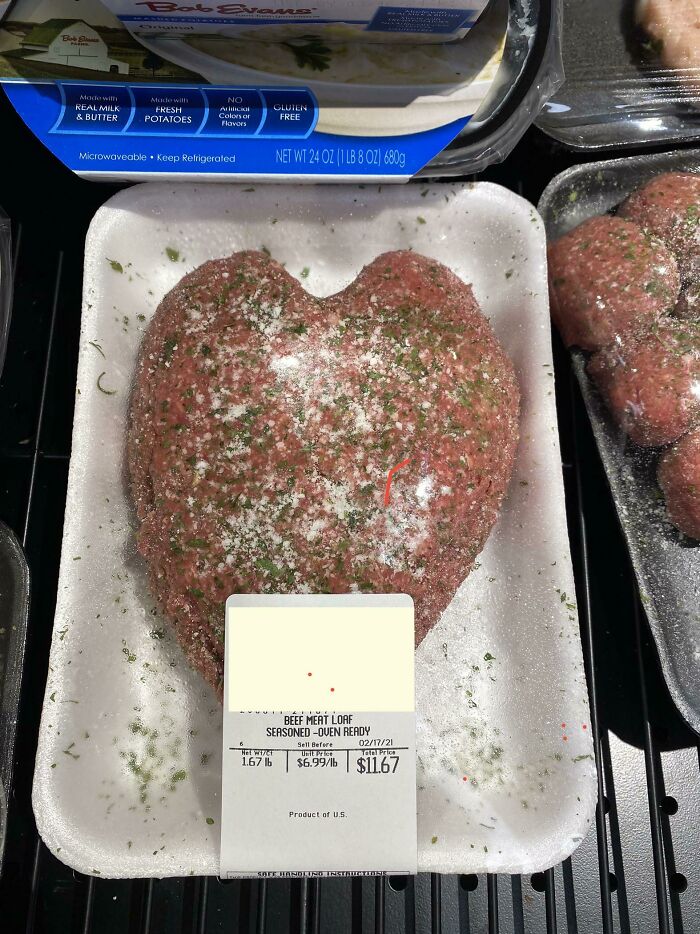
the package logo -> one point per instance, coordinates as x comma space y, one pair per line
79, 40
224, 9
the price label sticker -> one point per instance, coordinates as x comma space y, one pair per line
319, 757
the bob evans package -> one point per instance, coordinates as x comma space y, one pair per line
115, 105
331, 20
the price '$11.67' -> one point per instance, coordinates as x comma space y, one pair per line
378, 765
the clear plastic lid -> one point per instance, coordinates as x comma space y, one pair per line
632, 74
530, 72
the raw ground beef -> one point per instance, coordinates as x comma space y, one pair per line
679, 478
669, 207
264, 423
607, 280
651, 384
674, 27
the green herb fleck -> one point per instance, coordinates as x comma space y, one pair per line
172, 254
107, 392
266, 565
310, 52
117, 267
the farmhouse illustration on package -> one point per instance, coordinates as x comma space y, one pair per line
73, 43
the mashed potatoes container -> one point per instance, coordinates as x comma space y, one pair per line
632, 74
666, 563
324, 20
112, 106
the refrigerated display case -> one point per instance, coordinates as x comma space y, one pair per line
638, 868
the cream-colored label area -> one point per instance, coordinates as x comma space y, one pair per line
319, 758
332, 656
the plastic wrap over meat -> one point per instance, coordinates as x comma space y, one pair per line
283, 443
641, 394
627, 286
632, 74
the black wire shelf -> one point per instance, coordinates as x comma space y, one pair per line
639, 868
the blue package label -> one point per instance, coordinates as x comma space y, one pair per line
178, 111
167, 111
426, 20
233, 112
130, 130
95, 109
291, 113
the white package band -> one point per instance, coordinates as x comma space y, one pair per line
439, 21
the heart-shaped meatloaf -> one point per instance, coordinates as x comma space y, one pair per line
266, 424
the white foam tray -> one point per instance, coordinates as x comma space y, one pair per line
498, 676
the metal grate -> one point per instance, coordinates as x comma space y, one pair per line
637, 871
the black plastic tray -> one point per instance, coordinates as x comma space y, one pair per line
666, 563
14, 610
